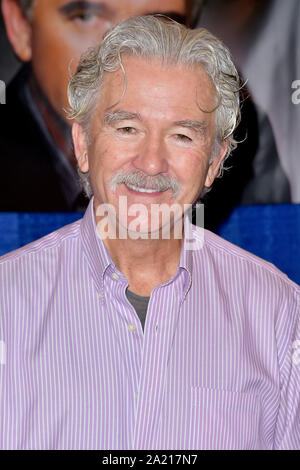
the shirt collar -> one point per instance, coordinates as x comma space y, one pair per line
99, 259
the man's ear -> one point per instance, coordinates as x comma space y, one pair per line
80, 147
18, 29
214, 166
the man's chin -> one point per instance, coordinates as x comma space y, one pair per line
145, 231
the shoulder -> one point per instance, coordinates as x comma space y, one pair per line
241, 264
20, 133
18, 120
49, 246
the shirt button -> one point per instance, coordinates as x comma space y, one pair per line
136, 395
132, 327
115, 276
100, 295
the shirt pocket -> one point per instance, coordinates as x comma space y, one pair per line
224, 419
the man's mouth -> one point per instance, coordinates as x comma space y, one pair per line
142, 190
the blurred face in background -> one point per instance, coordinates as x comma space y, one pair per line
62, 29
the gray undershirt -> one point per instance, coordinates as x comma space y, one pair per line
140, 304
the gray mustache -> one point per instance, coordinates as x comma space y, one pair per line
140, 180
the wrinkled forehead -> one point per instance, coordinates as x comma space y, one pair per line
158, 84
132, 65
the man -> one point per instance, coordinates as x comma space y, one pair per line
215, 362
36, 150
263, 170
253, 31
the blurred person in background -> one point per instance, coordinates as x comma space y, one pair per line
264, 38
35, 140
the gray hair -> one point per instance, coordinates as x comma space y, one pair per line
158, 37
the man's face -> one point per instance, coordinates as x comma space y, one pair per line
63, 29
158, 129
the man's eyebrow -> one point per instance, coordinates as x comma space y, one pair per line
82, 7
120, 115
196, 126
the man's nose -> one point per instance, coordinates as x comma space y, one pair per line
152, 157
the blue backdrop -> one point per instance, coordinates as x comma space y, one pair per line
269, 231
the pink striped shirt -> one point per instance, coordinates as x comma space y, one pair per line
216, 368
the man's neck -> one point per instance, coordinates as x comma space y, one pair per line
145, 263
57, 127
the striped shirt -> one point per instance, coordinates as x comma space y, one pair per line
217, 366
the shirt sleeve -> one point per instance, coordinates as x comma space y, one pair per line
287, 432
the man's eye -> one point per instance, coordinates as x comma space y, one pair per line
183, 138
126, 130
84, 17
